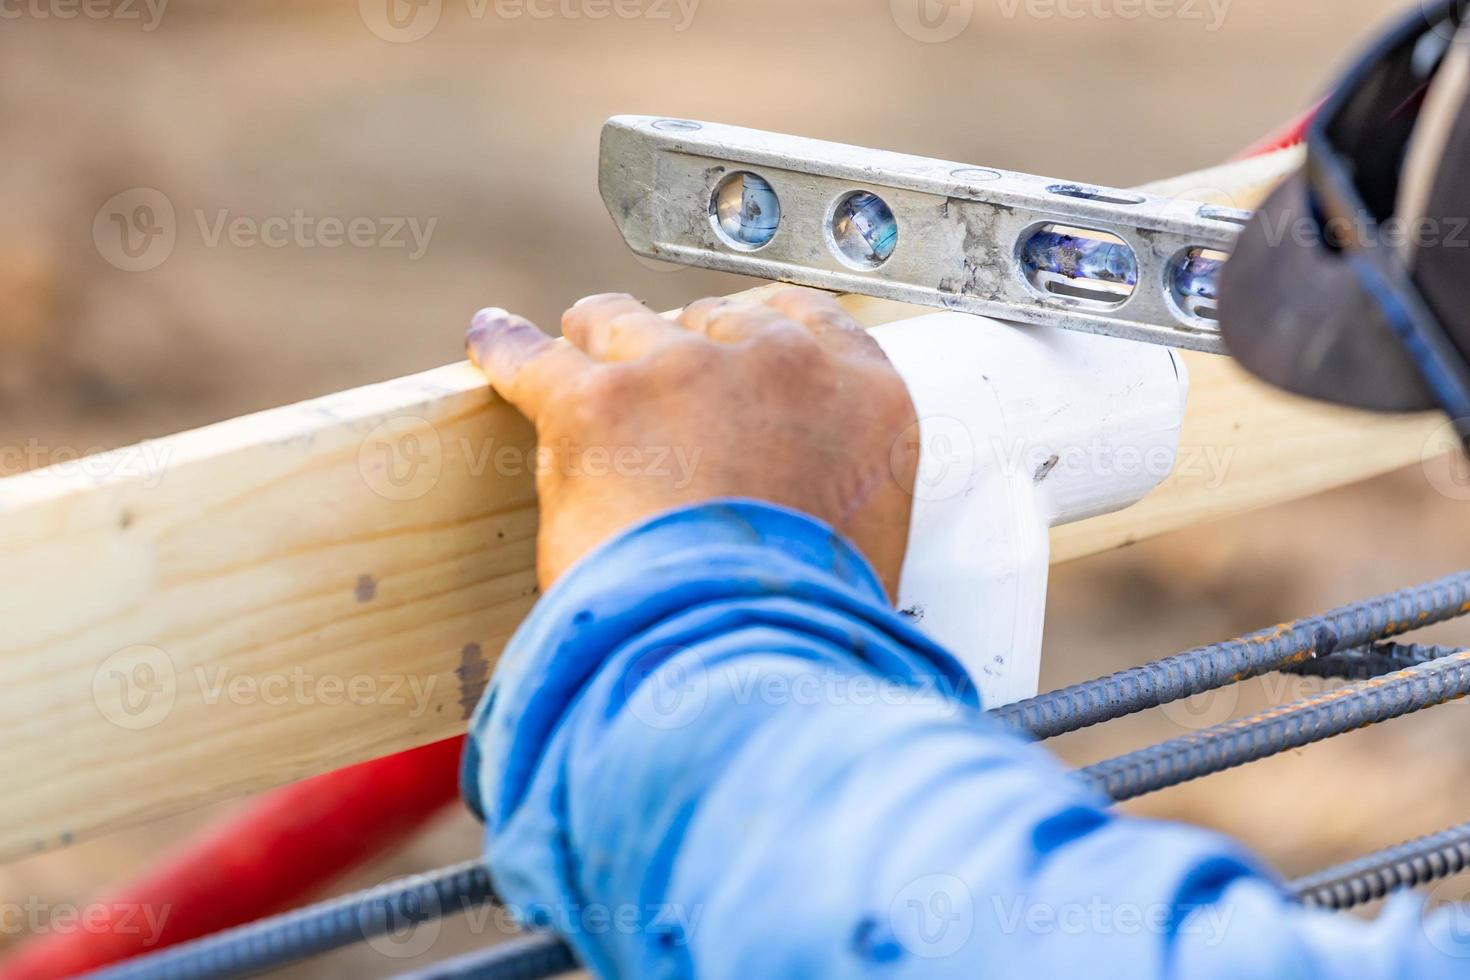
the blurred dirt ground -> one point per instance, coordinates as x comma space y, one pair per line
487, 127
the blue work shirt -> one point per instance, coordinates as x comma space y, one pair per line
714, 750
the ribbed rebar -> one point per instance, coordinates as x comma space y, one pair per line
315, 929
1206, 668
1274, 730
1407, 865
1396, 680
530, 958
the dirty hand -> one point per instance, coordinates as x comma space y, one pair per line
787, 401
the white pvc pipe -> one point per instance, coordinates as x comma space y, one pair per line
1021, 428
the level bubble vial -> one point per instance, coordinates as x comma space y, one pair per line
1194, 282
745, 211
1092, 266
864, 230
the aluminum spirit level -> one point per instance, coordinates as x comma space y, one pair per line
1007, 245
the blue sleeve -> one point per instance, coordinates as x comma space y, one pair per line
714, 751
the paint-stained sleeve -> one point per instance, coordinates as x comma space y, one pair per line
714, 751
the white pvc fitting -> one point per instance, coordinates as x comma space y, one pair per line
1021, 428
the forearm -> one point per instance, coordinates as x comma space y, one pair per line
715, 750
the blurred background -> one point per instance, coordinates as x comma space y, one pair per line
459, 139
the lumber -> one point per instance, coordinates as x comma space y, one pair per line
229, 609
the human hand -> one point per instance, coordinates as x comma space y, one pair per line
787, 401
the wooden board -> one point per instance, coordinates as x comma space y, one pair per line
289, 592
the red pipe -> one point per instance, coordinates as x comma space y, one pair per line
278, 850
1290, 134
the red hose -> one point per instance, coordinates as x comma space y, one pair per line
279, 850
1290, 134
